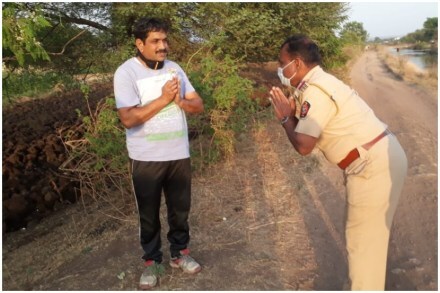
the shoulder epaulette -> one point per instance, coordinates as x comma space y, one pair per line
304, 85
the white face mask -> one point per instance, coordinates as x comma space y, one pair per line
284, 80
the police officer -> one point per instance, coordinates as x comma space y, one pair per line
324, 112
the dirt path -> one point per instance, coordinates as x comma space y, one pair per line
411, 113
268, 219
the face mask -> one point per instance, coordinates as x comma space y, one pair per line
284, 80
150, 63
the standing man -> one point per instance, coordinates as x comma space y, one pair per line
152, 95
334, 118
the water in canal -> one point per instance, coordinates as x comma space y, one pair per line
422, 59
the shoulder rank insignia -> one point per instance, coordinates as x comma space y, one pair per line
305, 107
302, 86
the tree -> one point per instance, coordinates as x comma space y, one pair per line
43, 30
428, 33
353, 33
245, 31
90, 14
96, 33
377, 40
430, 27
20, 27
320, 21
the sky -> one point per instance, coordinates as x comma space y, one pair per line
391, 19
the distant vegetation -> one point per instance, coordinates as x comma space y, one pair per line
425, 38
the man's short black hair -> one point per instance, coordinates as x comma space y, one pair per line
146, 25
302, 46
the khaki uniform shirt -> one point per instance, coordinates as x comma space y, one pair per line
334, 113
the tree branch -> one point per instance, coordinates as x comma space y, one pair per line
68, 42
77, 20
53, 54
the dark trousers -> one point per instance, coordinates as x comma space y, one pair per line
149, 179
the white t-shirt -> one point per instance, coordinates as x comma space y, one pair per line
165, 136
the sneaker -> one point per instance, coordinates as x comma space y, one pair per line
148, 278
185, 262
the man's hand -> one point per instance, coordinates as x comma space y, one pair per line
283, 107
170, 89
177, 97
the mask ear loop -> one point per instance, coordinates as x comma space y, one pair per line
296, 71
287, 65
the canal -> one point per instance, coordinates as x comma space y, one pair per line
421, 58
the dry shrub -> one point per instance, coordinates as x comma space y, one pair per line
405, 70
98, 161
352, 53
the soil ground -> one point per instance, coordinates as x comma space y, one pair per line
267, 219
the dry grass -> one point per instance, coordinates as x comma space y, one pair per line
407, 71
352, 53
94, 78
31, 256
247, 212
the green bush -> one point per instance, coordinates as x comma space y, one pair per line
228, 105
106, 138
33, 84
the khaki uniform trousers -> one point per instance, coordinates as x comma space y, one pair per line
374, 183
